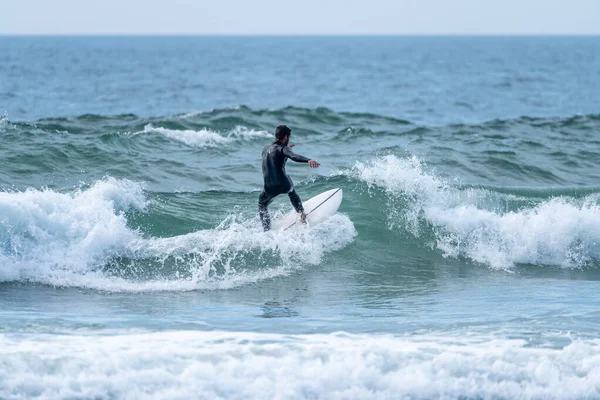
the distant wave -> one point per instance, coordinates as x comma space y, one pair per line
205, 137
299, 117
222, 126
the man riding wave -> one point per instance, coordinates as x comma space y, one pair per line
277, 181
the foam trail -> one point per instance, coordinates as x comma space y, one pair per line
467, 222
82, 239
239, 365
237, 252
204, 138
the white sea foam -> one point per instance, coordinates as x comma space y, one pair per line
4, 122
43, 232
234, 241
560, 231
205, 137
69, 239
232, 365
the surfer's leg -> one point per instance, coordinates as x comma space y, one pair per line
296, 202
263, 203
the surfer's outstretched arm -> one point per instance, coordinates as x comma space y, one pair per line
298, 158
293, 156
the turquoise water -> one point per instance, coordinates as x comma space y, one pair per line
464, 262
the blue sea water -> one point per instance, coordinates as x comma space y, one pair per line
464, 262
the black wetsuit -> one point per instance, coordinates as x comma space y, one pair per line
277, 181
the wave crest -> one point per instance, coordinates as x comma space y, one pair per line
487, 227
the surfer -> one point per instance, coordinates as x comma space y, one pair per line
277, 181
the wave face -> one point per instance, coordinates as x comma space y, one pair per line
116, 235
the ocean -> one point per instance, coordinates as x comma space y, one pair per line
464, 262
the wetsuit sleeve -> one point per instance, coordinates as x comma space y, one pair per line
294, 157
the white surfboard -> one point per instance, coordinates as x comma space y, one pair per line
318, 209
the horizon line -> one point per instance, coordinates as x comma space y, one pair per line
122, 34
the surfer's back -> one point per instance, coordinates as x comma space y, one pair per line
273, 167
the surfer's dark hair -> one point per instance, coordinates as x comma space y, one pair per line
282, 131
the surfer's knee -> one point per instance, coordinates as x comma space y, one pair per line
263, 201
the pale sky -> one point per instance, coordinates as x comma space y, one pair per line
287, 17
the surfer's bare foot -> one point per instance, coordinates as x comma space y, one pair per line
303, 218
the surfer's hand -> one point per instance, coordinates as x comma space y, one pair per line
291, 145
313, 164
303, 218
